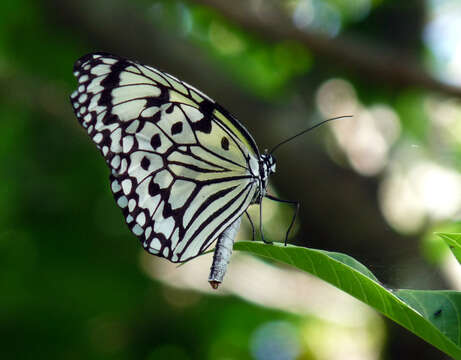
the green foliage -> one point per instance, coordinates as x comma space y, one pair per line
410, 107
434, 246
432, 315
25, 22
269, 66
454, 243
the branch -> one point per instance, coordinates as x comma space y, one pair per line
378, 64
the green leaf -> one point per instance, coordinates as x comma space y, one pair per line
435, 316
454, 243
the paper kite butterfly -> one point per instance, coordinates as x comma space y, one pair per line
183, 170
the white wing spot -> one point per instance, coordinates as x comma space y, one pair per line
126, 186
122, 201
137, 230
141, 219
115, 161
98, 138
155, 244
131, 204
82, 98
116, 186
83, 78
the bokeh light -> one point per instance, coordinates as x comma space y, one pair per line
441, 36
421, 188
262, 283
275, 341
225, 40
329, 342
368, 136
317, 15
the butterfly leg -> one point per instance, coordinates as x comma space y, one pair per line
261, 222
296, 204
252, 226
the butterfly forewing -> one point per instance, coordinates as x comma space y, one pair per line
182, 168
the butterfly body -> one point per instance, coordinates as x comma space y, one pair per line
183, 169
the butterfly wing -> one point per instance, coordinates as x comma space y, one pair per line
182, 168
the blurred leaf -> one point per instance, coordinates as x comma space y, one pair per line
410, 107
454, 243
262, 68
433, 246
432, 315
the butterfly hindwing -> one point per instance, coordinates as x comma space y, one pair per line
182, 168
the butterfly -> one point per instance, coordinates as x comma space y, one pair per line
183, 169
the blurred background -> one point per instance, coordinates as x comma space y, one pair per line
75, 283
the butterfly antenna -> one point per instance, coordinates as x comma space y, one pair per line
308, 129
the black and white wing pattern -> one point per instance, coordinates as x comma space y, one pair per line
182, 168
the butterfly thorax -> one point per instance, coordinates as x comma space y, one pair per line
266, 168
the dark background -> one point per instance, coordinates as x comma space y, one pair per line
376, 187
